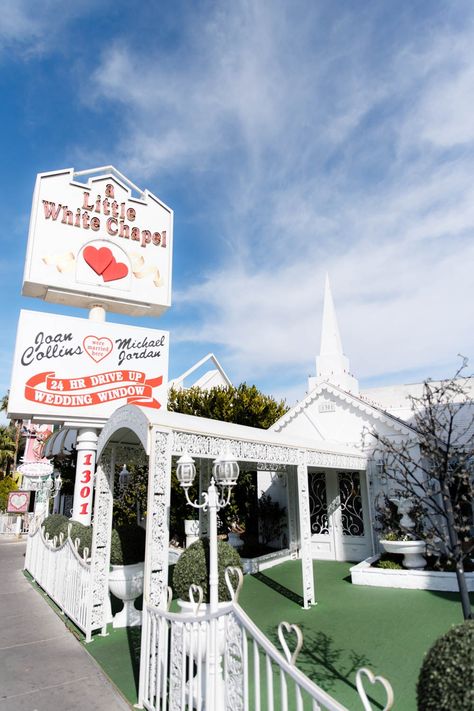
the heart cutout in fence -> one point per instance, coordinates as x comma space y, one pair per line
97, 348
115, 270
98, 259
364, 672
284, 628
234, 575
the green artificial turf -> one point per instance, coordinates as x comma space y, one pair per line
118, 654
387, 630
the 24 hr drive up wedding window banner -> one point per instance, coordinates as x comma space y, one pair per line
66, 367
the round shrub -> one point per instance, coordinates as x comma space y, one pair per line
446, 680
127, 545
192, 567
84, 533
55, 524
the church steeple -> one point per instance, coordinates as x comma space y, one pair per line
332, 365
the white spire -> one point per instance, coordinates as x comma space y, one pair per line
332, 365
330, 339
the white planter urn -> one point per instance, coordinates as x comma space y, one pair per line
412, 552
235, 540
126, 583
191, 529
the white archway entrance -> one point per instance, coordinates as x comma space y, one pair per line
155, 437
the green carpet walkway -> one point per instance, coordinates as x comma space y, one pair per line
351, 626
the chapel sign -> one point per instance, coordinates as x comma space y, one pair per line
66, 368
102, 240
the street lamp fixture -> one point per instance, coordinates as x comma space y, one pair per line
124, 478
185, 470
226, 469
58, 483
225, 472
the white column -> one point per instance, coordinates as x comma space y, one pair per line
305, 532
86, 451
205, 469
85, 469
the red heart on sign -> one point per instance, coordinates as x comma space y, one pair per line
115, 270
97, 348
98, 259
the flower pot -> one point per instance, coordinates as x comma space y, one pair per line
412, 552
126, 583
191, 529
235, 540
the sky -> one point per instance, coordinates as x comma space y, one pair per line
291, 139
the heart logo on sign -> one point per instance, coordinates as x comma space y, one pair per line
18, 501
98, 259
103, 262
97, 348
114, 270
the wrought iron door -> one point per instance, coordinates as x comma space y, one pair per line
339, 515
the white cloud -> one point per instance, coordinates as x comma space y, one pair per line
318, 151
30, 28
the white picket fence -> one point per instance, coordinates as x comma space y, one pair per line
223, 662
15, 524
58, 568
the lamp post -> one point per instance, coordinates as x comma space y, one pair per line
225, 473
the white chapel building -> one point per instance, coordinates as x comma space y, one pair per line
336, 410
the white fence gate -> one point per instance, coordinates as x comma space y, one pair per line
223, 662
58, 568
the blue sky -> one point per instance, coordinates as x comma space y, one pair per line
290, 139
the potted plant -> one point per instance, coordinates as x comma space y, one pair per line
234, 536
127, 553
412, 550
401, 524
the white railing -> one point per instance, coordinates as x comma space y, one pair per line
223, 662
15, 524
58, 568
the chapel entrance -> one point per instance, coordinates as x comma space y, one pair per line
340, 527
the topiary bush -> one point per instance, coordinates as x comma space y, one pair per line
446, 680
84, 533
55, 524
127, 545
192, 567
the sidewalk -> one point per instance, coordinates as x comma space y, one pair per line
42, 666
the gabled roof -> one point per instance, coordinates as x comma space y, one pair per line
358, 403
179, 381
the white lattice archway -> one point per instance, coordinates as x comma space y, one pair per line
155, 437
